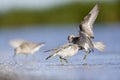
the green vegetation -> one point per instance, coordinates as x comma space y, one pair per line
65, 14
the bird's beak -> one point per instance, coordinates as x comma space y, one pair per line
92, 37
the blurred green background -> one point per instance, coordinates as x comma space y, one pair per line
70, 12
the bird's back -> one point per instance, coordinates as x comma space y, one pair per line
82, 40
29, 47
67, 50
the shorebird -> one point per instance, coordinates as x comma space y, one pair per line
25, 47
64, 51
85, 36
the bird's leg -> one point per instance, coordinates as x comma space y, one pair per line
26, 58
65, 60
14, 58
61, 60
33, 57
89, 51
85, 61
86, 53
92, 50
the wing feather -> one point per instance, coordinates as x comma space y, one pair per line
86, 24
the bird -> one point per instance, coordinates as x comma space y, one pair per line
66, 50
86, 35
25, 47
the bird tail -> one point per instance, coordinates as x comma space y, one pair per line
99, 46
50, 56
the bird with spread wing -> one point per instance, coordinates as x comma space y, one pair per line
86, 34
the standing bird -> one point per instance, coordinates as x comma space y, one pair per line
64, 51
25, 47
85, 36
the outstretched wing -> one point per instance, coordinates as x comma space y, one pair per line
87, 24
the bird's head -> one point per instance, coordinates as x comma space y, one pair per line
70, 38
